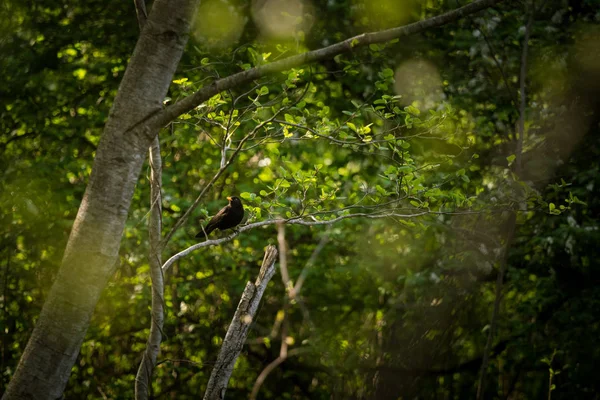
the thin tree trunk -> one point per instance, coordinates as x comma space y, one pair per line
512, 219
92, 250
143, 380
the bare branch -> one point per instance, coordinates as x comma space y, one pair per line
307, 220
239, 327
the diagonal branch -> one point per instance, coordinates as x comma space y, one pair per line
186, 104
239, 327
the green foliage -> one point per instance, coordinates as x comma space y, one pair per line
390, 307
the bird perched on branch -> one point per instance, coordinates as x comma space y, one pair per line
229, 216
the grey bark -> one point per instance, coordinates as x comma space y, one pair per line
143, 379
92, 251
238, 329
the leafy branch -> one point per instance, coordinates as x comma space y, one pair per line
170, 113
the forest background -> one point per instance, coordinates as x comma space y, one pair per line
432, 196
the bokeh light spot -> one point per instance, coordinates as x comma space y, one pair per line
219, 24
419, 83
383, 14
282, 18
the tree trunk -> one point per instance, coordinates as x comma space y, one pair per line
91, 254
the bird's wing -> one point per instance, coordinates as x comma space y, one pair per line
214, 221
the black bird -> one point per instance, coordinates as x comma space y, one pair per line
229, 216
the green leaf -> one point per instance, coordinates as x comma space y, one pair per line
413, 110
282, 183
387, 73
391, 170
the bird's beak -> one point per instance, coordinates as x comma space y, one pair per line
229, 198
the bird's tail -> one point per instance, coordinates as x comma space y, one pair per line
207, 230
